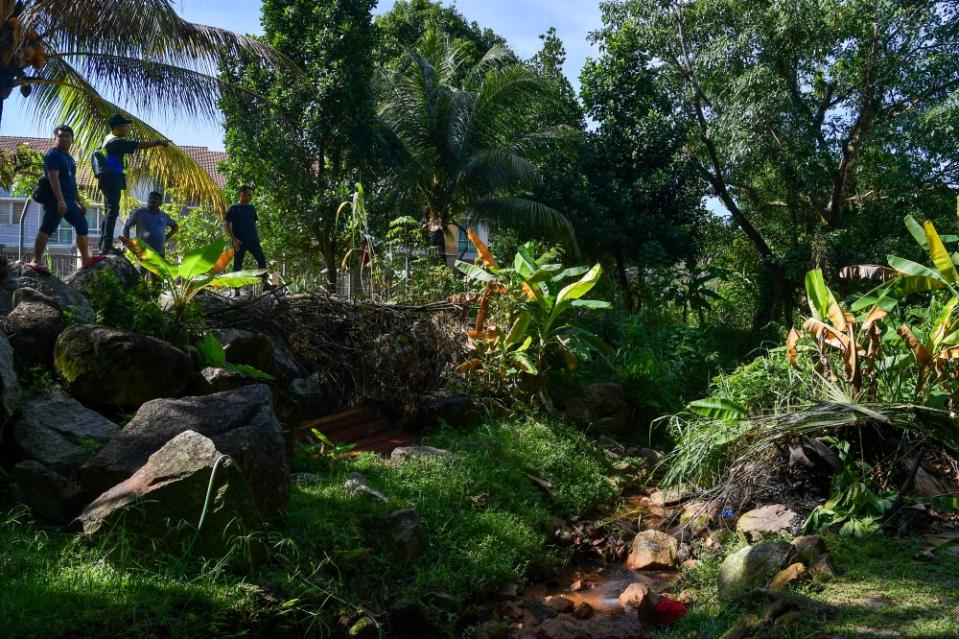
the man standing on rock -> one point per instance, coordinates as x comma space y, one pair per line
62, 201
151, 224
240, 225
113, 182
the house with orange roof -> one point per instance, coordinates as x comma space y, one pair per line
20, 217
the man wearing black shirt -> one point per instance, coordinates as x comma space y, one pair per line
240, 224
116, 147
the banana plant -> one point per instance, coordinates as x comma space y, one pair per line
544, 294
199, 269
834, 332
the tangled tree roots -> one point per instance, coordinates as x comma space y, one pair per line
367, 352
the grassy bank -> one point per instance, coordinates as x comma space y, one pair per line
335, 567
881, 591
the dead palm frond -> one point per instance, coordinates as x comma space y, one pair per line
78, 59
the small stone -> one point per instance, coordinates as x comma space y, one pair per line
652, 550
668, 496
356, 484
304, 478
690, 564
405, 454
406, 532
578, 586
583, 610
773, 519
637, 596
787, 576
560, 604
699, 514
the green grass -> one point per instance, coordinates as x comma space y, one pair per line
486, 524
881, 591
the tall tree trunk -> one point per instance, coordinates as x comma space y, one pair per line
624, 282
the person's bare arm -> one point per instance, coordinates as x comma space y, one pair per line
174, 227
228, 228
54, 177
150, 145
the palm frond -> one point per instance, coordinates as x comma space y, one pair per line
63, 95
525, 215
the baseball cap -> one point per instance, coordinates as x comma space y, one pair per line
118, 120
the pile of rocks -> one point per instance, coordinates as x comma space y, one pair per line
203, 443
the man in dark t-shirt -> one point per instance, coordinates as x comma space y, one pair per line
240, 224
63, 202
116, 147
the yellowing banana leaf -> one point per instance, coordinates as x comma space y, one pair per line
481, 249
148, 258
876, 314
792, 351
517, 332
221, 263
581, 287
201, 260
918, 350
827, 333
822, 303
908, 267
469, 365
940, 256
943, 326
523, 362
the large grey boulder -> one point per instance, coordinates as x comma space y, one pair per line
165, 498
70, 300
9, 383
33, 326
60, 432
117, 265
753, 567
241, 423
109, 367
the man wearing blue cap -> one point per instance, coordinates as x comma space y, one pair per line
113, 181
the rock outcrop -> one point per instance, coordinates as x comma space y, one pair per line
109, 367
240, 422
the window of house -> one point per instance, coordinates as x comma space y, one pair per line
462, 242
63, 234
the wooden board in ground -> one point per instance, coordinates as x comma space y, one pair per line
361, 425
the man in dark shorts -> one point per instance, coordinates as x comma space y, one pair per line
240, 224
116, 147
63, 202
151, 224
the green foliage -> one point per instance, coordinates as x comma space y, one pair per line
326, 448
213, 354
301, 140
199, 269
855, 501
459, 155
136, 309
536, 319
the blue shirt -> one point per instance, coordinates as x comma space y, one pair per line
151, 227
57, 160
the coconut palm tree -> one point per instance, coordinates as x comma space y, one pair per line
61, 53
458, 138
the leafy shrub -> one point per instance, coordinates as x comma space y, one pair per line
136, 309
